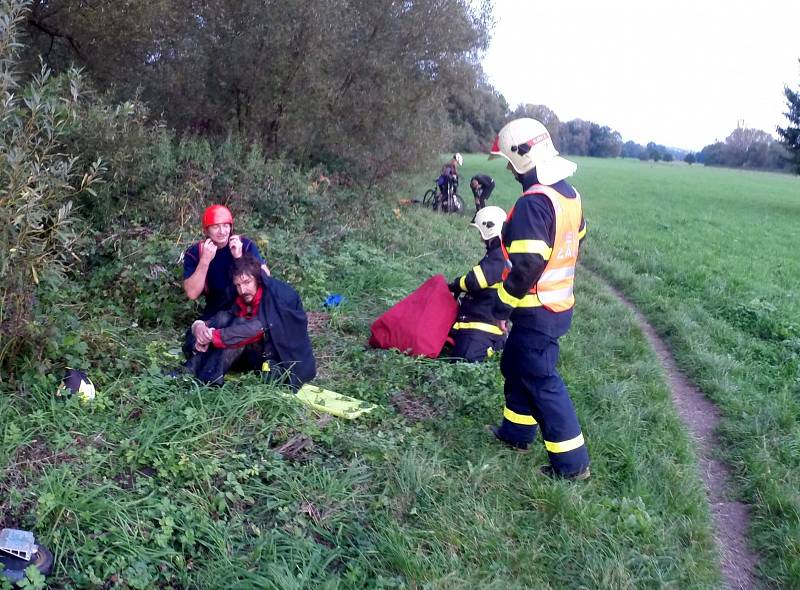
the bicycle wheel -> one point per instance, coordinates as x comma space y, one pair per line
457, 205
429, 197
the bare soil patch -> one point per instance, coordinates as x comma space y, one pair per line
317, 321
415, 407
731, 518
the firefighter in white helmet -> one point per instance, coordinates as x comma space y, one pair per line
477, 333
540, 242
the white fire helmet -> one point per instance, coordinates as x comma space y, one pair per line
489, 222
526, 144
76, 382
459, 158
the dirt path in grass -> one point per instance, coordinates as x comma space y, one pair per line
731, 518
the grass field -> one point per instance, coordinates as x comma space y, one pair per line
164, 483
709, 255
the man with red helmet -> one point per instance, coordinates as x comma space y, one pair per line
207, 264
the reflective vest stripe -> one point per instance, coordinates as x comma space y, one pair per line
539, 247
463, 283
558, 274
483, 327
524, 419
565, 446
554, 296
482, 282
554, 288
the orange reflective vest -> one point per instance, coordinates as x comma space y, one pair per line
554, 289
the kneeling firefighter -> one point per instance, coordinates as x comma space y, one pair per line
541, 239
477, 333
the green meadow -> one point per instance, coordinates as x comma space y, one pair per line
709, 255
166, 483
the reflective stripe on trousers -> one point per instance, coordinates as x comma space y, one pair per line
533, 388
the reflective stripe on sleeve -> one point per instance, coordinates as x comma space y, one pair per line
482, 282
530, 300
506, 297
524, 419
483, 327
539, 247
566, 446
582, 233
462, 283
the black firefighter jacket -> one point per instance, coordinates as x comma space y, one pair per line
280, 326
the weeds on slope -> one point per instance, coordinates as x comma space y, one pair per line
166, 483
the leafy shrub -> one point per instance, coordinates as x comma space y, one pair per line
40, 182
121, 136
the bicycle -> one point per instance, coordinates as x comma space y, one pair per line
430, 196
451, 202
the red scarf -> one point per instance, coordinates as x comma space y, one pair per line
249, 310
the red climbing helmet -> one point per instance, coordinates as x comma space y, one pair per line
217, 214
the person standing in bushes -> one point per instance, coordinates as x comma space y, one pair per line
266, 329
482, 186
540, 241
477, 333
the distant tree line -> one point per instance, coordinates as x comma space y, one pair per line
579, 137
746, 148
743, 148
576, 137
371, 86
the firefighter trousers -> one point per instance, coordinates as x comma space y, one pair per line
535, 396
474, 346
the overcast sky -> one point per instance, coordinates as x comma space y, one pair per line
680, 73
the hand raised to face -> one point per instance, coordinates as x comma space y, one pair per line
209, 251
235, 243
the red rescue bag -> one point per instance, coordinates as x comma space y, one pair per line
418, 325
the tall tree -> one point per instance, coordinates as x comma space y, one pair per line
631, 149
604, 142
477, 112
360, 81
790, 135
544, 115
575, 137
741, 141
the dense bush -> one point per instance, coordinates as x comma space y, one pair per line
40, 182
102, 202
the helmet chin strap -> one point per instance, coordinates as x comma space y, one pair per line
528, 179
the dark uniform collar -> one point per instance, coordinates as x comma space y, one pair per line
529, 179
492, 244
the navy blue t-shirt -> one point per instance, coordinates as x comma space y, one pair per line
219, 291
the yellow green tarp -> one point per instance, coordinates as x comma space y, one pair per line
325, 400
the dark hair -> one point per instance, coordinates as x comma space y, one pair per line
247, 264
